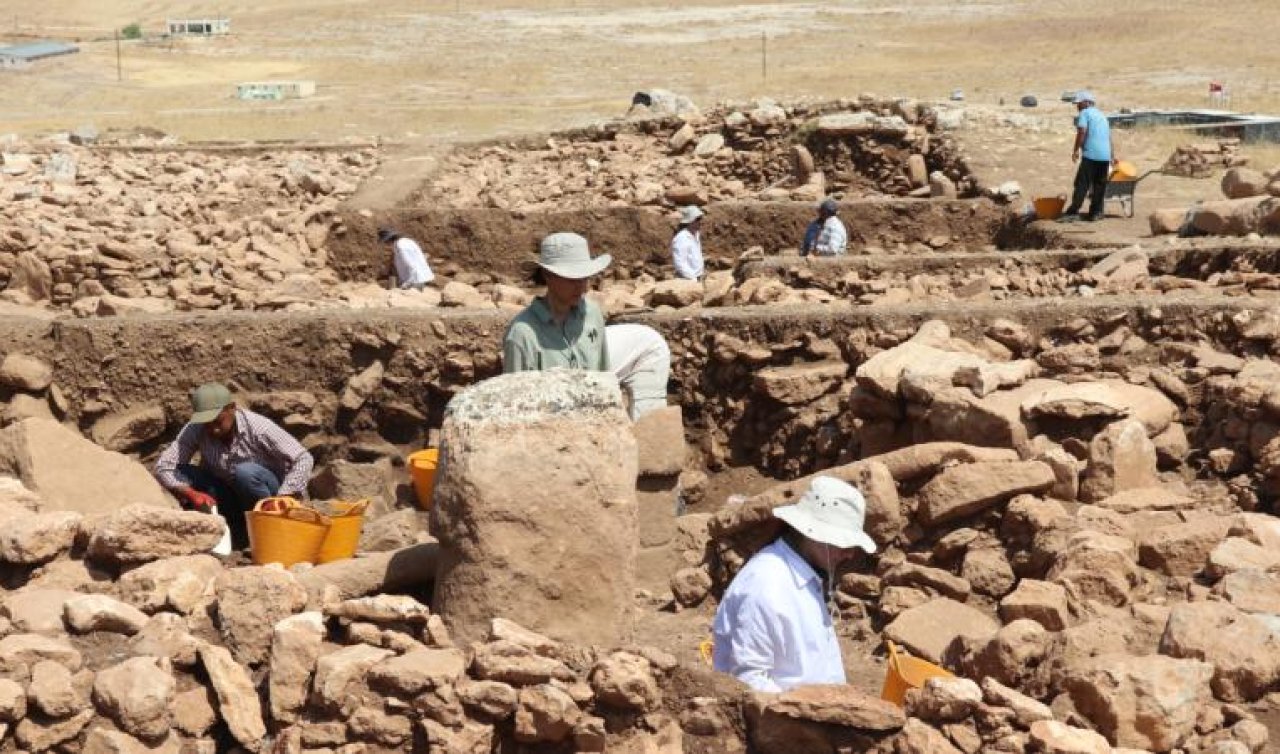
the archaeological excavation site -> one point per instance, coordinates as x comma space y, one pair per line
1068, 444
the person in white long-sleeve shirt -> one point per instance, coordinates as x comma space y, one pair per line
412, 270
825, 236
686, 245
774, 628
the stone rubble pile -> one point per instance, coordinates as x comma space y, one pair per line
1201, 159
1028, 539
116, 231
760, 151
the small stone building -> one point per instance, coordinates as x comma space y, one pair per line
275, 90
198, 27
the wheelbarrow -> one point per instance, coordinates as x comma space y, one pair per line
1122, 189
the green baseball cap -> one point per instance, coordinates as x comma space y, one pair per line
207, 401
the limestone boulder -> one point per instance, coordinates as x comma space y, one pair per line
238, 703
101, 740
55, 691
123, 431
933, 629
1053, 737
1182, 549
44, 735
1025, 709
799, 384
295, 647
1121, 457
142, 533
36, 610
166, 635
1041, 601
1099, 567
251, 601
625, 681
545, 714
819, 718
178, 583
23, 650
1142, 702
965, 489
516, 664
1166, 221
882, 373
1105, 400
136, 695
943, 700
1233, 217
1242, 183
32, 539
98, 612
537, 486
1235, 554
1252, 591
420, 670
41, 451
23, 372
382, 608
1243, 649
342, 672
677, 292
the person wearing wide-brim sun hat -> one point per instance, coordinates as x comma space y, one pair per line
562, 328
686, 244
774, 628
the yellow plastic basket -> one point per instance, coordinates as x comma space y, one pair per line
422, 467
905, 672
345, 524
283, 530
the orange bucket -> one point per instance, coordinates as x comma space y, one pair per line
422, 467
343, 538
283, 530
906, 672
1049, 207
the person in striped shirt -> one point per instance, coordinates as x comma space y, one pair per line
244, 457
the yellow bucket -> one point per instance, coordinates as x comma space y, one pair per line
422, 467
344, 531
1125, 171
283, 530
906, 672
1049, 207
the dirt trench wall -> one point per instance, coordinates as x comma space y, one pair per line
298, 368
505, 243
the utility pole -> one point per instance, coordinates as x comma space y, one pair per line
119, 72
764, 56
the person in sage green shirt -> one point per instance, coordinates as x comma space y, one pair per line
563, 328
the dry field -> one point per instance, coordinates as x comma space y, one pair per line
405, 70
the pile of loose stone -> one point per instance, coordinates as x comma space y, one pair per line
1029, 540
764, 151
110, 231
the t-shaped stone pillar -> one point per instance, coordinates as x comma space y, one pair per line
535, 508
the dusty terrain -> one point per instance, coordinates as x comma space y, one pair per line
1069, 436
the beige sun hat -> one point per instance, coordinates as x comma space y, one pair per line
567, 255
690, 213
830, 511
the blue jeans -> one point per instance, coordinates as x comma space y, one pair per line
250, 483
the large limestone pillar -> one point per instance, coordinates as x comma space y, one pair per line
535, 508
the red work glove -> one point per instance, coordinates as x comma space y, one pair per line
200, 499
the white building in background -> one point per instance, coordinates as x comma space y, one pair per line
275, 90
198, 27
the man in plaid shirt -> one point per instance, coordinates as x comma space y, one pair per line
244, 457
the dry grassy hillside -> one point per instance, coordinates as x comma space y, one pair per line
450, 68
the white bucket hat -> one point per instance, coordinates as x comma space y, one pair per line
567, 255
831, 512
690, 213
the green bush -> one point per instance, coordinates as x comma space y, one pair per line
132, 31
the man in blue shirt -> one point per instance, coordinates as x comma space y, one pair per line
1095, 151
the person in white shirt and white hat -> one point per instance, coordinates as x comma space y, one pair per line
774, 629
686, 244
